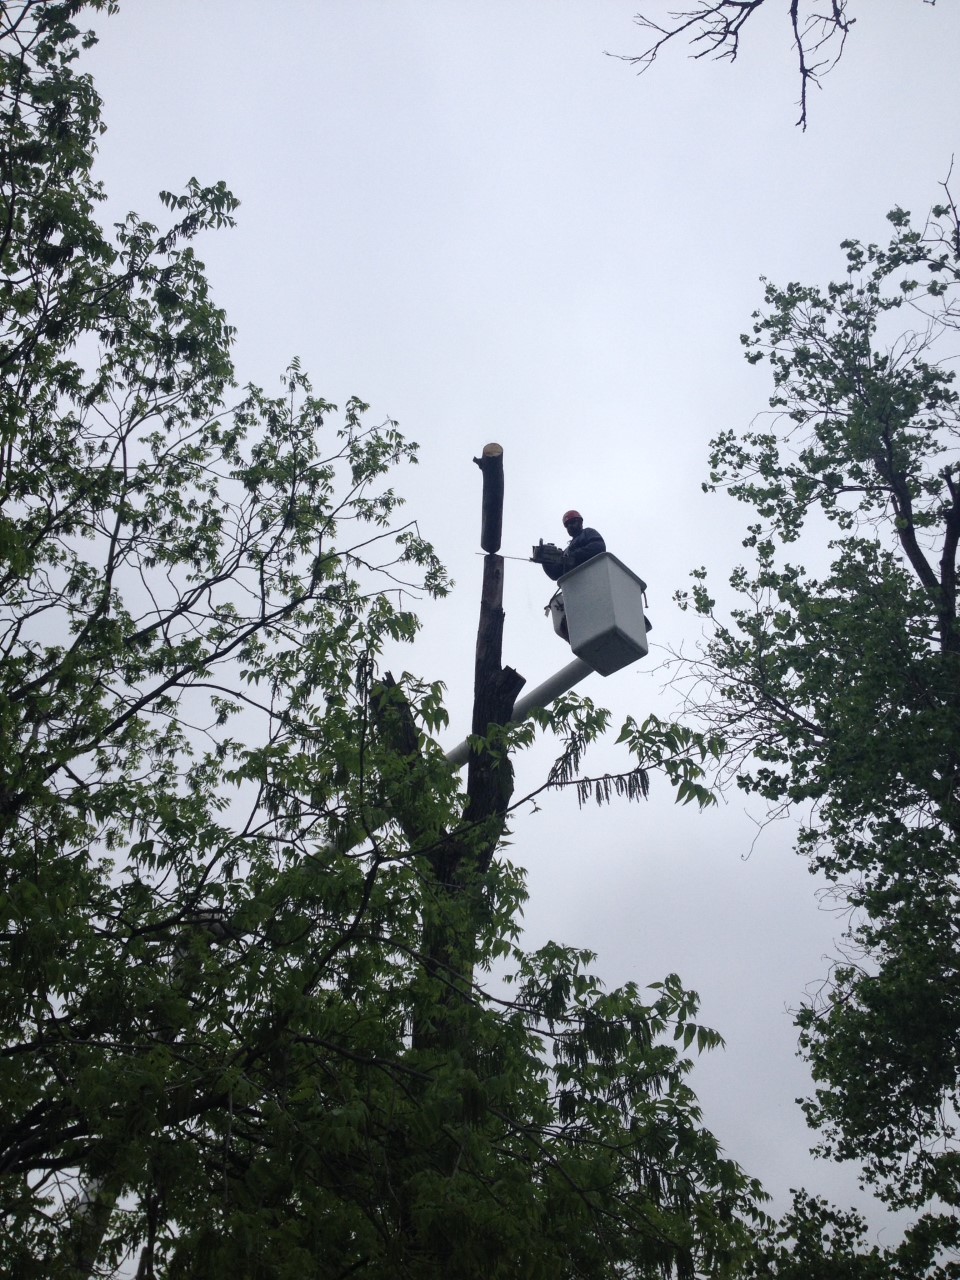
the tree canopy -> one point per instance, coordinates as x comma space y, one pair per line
245, 904
836, 691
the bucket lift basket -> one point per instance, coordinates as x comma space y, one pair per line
599, 609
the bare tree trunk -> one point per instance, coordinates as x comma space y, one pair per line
450, 939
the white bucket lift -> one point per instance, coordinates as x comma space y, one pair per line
601, 613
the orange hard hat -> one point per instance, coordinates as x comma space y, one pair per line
571, 515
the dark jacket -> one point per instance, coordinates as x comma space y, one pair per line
587, 544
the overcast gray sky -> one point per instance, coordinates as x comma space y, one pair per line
467, 215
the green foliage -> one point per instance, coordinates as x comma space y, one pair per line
674, 750
815, 1241
838, 691
242, 897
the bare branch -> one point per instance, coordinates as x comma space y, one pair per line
715, 28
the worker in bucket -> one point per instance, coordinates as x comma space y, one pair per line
584, 544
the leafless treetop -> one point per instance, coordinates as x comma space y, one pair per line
714, 29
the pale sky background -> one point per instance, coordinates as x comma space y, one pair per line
467, 215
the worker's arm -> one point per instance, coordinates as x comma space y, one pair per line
587, 544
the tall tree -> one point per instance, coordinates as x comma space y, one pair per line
245, 906
838, 692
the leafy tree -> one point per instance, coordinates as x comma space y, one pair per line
838, 693
714, 29
815, 1241
245, 906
